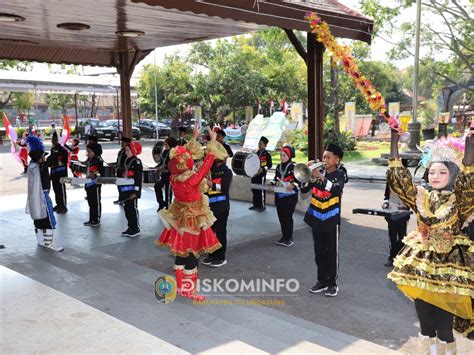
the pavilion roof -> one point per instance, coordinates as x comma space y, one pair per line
163, 22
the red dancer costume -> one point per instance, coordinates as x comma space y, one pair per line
73, 153
23, 152
188, 219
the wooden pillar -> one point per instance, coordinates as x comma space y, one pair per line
315, 97
125, 73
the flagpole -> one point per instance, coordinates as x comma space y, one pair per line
156, 94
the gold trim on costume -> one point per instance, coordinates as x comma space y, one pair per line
395, 163
467, 168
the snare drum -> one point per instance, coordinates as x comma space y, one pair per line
245, 164
78, 167
109, 170
150, 176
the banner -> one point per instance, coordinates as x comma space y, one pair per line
404, 119
350, 113
297, 113
270, 127
394, 109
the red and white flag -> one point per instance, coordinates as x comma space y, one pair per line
271, 106
259, 107
66, 132
284, 107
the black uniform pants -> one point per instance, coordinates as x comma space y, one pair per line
94, 201
220, 228
434, 321
59, 189
159, 185
285, 209
326, 250
259, 195
397, 230
131, 213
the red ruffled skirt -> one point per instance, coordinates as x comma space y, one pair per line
187, 243
188, 228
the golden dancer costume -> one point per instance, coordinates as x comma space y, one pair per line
435, 266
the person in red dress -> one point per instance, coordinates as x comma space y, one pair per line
23, 152
188, 219
73, 152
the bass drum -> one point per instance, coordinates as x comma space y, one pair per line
157, 150
109, 170
245, 164
150, 176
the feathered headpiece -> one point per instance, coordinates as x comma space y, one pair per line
34, 143
444, 150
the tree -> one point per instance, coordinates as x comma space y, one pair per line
7, 64
173, 85
60, 102
23, 101
448, 32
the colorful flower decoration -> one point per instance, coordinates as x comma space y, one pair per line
343, 55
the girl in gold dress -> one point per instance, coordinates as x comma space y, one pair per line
435, 266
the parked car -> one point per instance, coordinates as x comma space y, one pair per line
99, 128
148, 129
135, 130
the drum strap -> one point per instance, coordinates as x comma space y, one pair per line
127, 166
283, 173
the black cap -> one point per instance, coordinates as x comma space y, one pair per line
93, 139
221, 132
335, 150
171, 142
95, 147
264, 140
35, 155
126, 139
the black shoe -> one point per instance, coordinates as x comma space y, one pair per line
125, 233
61, 210
95, 224
331, 291
88, 223
218, 263
260, 209
252, 208
285, 242
207, 261
55, 208
389, 263
133, 233
318, 288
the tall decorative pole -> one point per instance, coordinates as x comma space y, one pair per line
414, 126
156, 95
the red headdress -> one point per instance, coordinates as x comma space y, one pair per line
181, 160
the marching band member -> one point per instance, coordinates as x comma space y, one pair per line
188, 220
164, 181
397, 223
39, 205
23, 152
74, 155
95, 168
58, 164
130, 194
120, 162
221, 139
265, 164
182, 136
286, 202
324, 218
435, 266
219, 202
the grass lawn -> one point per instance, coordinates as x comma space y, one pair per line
364, 153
